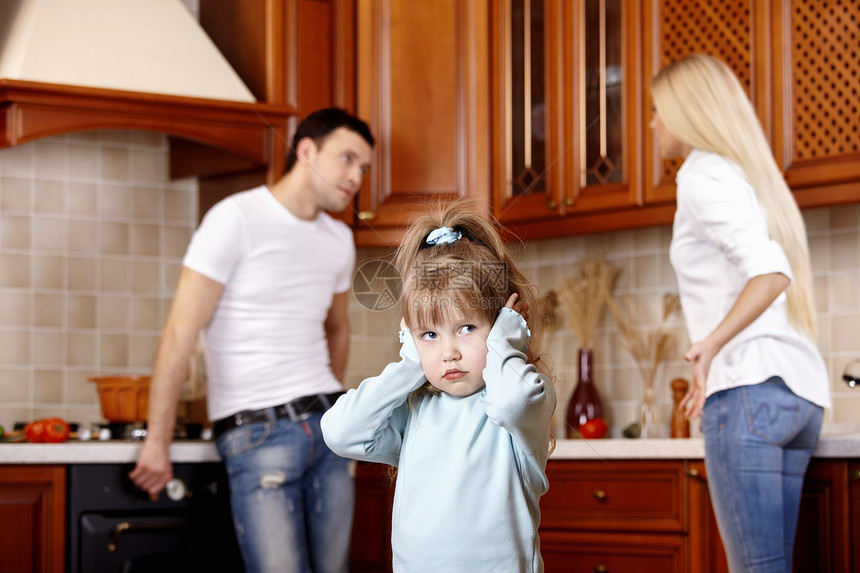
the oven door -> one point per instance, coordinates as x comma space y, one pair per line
137, 543
114, 527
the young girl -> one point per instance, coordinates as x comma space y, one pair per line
465, 414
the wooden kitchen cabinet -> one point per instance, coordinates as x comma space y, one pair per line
566, 113
422, 83
602, 553
823, 540
626, 515
854, 512
593, 165
816, 116
370, 546
707, 554
614, 516
736, 32
296, 53
632, 516
827, 526
32, 518
797, 62
525, 107
417, 72
795, 58
293, 52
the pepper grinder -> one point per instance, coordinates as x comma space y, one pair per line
680, 423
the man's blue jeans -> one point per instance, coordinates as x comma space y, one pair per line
758, 442
292, 498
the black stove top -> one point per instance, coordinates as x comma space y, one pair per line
137, 431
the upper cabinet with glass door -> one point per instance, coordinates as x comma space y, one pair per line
567, 112
572, 148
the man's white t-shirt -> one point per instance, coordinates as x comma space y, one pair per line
266, 343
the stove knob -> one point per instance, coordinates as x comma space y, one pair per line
176, 489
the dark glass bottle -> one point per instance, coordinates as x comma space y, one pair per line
585, 403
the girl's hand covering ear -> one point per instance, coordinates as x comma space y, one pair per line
511, 326
408, 350
518, 306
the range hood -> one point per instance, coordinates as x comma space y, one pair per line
126, 64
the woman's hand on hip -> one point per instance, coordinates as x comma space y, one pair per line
700, 354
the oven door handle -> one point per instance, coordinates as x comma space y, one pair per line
124, 526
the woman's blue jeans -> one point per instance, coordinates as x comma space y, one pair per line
292, 498
758, 442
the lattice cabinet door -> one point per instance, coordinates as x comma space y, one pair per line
817, 127
736, 31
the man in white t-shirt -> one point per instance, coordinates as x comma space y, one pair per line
267, 274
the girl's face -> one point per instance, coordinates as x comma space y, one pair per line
668, 145
454, 353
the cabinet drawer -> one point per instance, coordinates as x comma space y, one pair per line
619, 496
612, 553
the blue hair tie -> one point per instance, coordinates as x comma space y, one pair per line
443, 236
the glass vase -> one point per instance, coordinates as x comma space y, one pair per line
649, 417
585, 403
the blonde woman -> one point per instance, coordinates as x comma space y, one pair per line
740, 255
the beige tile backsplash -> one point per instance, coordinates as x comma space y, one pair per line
85, 251
645, 275
92, 235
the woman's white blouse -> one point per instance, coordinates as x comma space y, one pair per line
720, 241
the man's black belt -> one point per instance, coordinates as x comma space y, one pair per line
298, 410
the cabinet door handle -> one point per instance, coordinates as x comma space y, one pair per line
599, 495
568, 202
366, 215
854, 475
552, 205
695, 475
600, 569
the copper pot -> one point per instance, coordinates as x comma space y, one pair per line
123, 398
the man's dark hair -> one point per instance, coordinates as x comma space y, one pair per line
319, 124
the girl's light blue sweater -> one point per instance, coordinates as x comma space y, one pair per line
470, 469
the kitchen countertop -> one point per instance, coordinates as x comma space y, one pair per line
829, 446
836, 442
96, 452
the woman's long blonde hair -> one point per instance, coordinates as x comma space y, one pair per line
701, 102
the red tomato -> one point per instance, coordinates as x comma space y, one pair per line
56, 430
52, 430
35, 432
594, 429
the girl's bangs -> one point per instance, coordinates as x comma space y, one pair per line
427, 307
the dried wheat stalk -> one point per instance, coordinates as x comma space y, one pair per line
648, 349
583, 297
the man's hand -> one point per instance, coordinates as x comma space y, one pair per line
153, 469
193, 306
